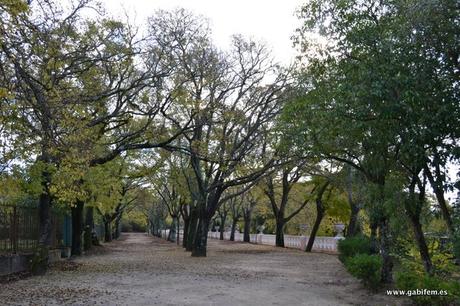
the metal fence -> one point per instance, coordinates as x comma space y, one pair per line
18, 228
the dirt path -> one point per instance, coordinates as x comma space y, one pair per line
141, 270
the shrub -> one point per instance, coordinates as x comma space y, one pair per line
410, 281
366, 268
456, 246
352, 246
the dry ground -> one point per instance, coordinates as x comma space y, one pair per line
141, 270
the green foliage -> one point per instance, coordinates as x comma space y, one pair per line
456, 220
412, 281
352, 246
338, 207
365, 267
14, 7
456, 246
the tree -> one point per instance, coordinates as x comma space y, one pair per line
222, 213
373, 82
248, 207
226, 98
284, 180
58, 58
236, 211
355, 188
320, 211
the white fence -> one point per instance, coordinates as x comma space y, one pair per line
321, 244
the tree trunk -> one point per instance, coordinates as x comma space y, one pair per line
444, 209
232, 234
117, 226
45, 231
353, 225
421, 242
201, 238
152, 228
413, 206
247, 228
107, 230
172, 230
373, 238
45, 221
279, 232
387, 266
45, 228
314, 230
319, 217
192, 230
437, 185
222, 226
77, 227
89, 225
178, 231
186, 229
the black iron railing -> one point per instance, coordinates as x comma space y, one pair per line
18, 228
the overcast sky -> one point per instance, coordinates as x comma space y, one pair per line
272, 21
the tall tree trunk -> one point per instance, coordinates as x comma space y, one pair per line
232, 233
107, 230
247, 227
201, 238
387, 266
421, 242
279, 231
117, 225
192, 230
314, 230
373, 237
152, 228
353, 225
178, 231
77, 227
437, 185
186, 229
223, 218
45, 221
45, 230
413, 206
383, 227
89, 225
319, 216
44, 208
172, 230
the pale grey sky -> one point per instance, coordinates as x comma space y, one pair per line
271, 21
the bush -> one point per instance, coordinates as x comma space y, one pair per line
352, 246
366, 268
456, 246
413, 282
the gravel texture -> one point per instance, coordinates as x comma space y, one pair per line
142, 270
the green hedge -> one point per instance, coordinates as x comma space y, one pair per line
366, 268
352, 246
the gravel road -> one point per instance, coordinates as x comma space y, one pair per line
142, 270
